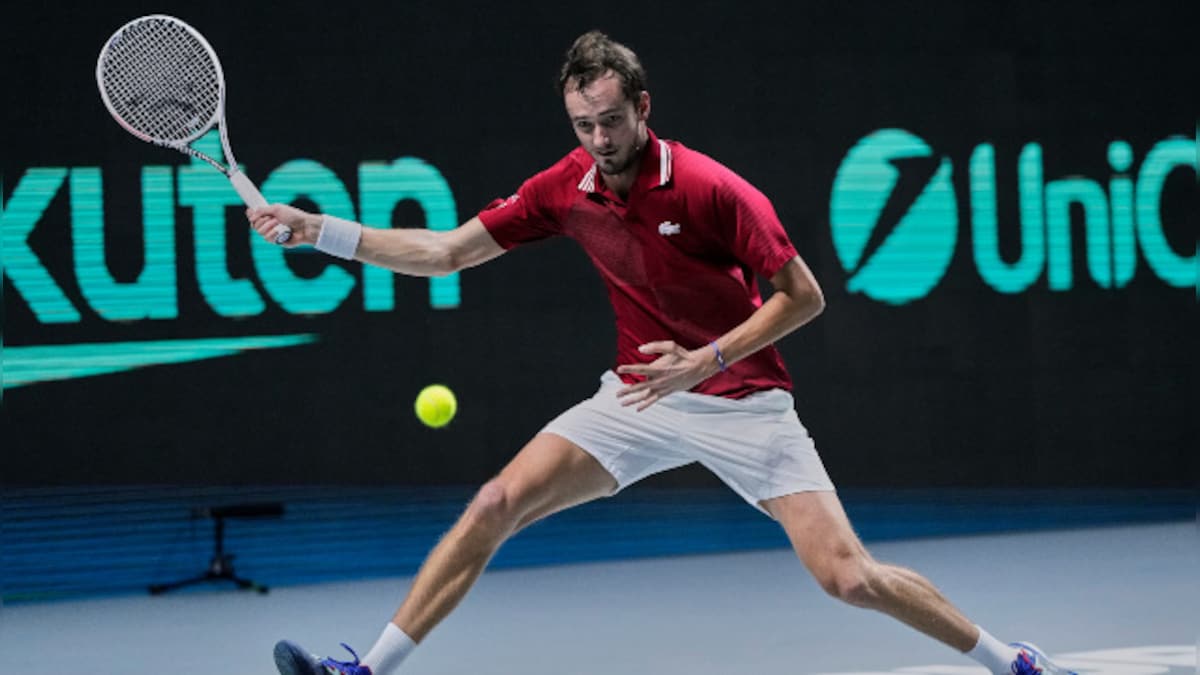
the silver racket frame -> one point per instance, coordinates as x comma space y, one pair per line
245, 188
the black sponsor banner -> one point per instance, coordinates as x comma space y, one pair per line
998, 201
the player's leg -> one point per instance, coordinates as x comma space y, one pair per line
820, 532
758, 446
549, 474
821, 535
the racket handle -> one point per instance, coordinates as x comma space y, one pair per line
254, 199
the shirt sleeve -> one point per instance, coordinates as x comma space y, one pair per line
524, 217
751, 228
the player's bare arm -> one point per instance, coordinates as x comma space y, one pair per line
410, 251
422, 252
796, 301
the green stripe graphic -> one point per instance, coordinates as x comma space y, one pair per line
32, 364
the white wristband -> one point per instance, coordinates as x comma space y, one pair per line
339, 237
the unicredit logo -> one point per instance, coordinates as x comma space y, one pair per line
895, 218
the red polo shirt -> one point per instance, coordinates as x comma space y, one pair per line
679, 256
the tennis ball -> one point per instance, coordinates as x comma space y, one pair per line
436, 406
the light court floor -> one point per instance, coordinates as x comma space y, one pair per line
1119, 601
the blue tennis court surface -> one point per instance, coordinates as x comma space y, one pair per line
1115, 600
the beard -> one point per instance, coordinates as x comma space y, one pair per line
617, 164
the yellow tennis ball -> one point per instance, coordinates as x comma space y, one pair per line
436, 406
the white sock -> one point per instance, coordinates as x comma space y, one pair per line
389, 651
993, 654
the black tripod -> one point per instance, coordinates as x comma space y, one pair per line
220, 568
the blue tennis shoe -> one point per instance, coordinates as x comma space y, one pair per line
1033, 661
291, 659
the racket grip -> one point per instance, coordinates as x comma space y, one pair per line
254, 199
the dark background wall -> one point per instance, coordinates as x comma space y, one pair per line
965, 386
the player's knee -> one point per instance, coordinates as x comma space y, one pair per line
492, 507
852, 580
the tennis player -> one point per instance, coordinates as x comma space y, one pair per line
679, 241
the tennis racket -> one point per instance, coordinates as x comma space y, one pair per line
163, 83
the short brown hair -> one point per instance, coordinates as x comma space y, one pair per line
595, 54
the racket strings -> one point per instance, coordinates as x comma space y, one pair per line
161, 80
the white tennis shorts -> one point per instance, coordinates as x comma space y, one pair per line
756, 444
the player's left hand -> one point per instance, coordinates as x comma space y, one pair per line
678, 369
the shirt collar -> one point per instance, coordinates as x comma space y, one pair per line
656, 169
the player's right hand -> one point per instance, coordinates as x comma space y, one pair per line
268, 220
